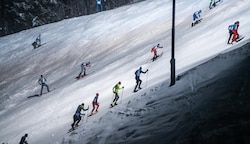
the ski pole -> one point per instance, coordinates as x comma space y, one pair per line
112, 98
87, 114
147, 80
149, 58
82, 115
121, 96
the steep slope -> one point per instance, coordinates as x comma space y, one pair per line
116, 43
203, 107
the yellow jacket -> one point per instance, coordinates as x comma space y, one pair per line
116, 88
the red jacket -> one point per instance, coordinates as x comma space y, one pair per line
154, 50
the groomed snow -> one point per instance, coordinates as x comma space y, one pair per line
116, 42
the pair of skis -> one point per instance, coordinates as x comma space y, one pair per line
82, 76
158, 56
238, 39
211, 6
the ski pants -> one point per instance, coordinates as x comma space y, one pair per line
95, 104
99, 7
77, 119
230, 35
155, 54
138, 82
83, 70
116, 98
235, 35
212, 4
155, 57
38, 40
42, 88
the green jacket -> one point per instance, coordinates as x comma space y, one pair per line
116, 88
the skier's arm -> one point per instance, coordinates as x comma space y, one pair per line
39, 82
86, 109
145, 71
120, 87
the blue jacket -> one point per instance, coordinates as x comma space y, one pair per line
138, 72
78, 110
196, 15
99, 2
232, 27
42, 80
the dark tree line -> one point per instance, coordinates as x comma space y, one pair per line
17, 15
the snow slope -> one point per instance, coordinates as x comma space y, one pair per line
116, 43
203, 107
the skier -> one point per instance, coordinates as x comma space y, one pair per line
42, 81
196, 17
137, 78
105, 4
99, 6
213, 3
116, 88
34, 21
235, 31
154, 50
230, 29
83, 69
95, 103
77, 116
23, 139
37, 43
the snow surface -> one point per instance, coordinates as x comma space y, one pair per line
116, 42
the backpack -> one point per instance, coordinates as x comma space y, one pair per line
230, 27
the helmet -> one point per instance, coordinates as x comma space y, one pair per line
119, 82
26, 135
97, 94
140, 67
200, 11
82, 103
237, 22
41, 75
158, 44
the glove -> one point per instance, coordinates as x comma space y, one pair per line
123, 87
147, 70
